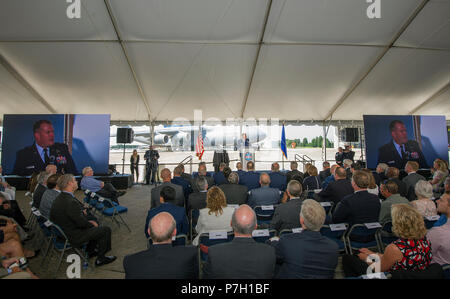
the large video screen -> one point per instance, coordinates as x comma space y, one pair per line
69, 141
397, 139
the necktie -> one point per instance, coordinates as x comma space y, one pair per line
46, 157
403, 152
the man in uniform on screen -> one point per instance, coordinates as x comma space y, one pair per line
400, 150
43, 152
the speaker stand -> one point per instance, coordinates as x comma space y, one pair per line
123, 160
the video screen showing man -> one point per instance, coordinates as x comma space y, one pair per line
43, 152
400, 150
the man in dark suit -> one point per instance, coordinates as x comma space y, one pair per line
380, 173
265, 195
219, 177
239, 170
166, 176
167, 204
294, 172
178, 180
326, 172
411, 179
400, 150
43, 152
197, 200
360, 207
242, 258
337, 190
277, 179
235, 193
151, 165
162, 260
69, 214
307, 254
184, 175
286, 214
251, 178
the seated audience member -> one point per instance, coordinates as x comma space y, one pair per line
355, 166
326, 172
337, 190
312, 182
286, 215
40, 188
68, 213
10, 209
105, 190
11, 251
294, 172
265, 195
219, 177
412, 178
202, 173
239, 170
7, 188
307, 254
251, 178
380, 173
184, 175
347, 164
216, 216
359, 207
440, 172
234, 193
373, 187
392, 174
167, 204
178, 180
277, 179
49, 195
389, 190
411, 251
330, 178
305, 168
424, 204
166, 176
439, 237
162, 260
242, 258
197, 200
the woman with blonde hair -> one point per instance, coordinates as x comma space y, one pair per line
411, 251
372, 188
134, 165
424, 204
216, 216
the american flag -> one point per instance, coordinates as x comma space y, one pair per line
199, 149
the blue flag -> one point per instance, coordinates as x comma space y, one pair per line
283, 143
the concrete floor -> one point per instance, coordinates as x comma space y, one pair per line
137, 200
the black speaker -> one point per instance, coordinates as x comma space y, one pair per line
124, 135
349, 135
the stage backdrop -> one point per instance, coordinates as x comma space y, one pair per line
428, 131
86, 134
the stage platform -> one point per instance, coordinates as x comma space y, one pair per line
119, 181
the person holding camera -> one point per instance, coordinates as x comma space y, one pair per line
151, 168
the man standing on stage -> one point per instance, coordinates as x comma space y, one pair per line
151, 157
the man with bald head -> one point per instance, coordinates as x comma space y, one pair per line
166, 176
277, 179
242, 258
162, 260
264, 196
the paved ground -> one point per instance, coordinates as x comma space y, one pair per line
137, 200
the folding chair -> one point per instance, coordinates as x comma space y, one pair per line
328, 206
178, 240
264, 214
363, 237
384, 235
193, 218
287, 231
212, 238
336, 233
61, 244
262, 235
446, 269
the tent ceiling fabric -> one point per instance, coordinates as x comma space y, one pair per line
199, 54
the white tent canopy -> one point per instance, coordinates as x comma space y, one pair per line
144, 60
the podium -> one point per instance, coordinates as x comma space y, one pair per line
247, 154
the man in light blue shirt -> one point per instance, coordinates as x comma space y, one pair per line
106, 190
